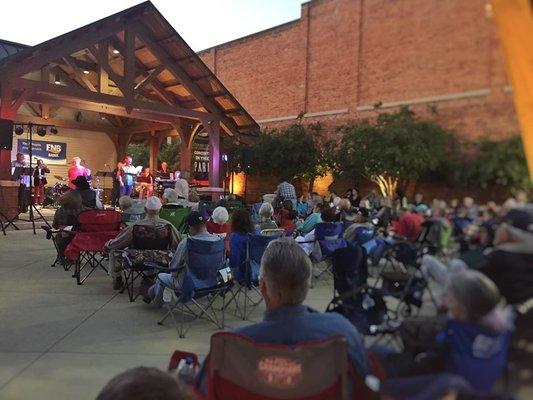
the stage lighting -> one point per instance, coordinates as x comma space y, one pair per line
57, 79
53, 130
19, 130
41, 131
225, 157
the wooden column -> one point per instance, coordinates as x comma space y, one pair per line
123, 140
185, 129
155, 145
6, 112
213, 128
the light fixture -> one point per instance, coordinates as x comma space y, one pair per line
41, 131
19, 130
53, 130
57, 79
225, 157
115, 51
102, 116
86, 72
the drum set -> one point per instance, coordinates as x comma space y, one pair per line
59, 188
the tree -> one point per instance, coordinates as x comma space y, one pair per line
170, 153
394, 149
298, 151
501, 162
140, 153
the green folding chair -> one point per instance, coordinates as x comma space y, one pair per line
176, 216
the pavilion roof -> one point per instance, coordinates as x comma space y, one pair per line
135, 55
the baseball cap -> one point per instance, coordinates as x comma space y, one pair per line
195, 219
153, 203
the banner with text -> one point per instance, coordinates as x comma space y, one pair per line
49, 152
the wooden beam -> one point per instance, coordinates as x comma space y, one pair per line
33, 109
161, 54
129, 62
82, 78
150, 77
102, 55
23, 96
67, 124
65, 77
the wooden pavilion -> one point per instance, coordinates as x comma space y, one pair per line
133, 69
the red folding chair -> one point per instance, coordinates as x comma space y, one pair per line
88, 245
239, 368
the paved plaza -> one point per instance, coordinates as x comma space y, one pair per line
63, 341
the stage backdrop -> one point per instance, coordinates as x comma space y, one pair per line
49, 152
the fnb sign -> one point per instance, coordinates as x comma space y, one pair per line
53, 148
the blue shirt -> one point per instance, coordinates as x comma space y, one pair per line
237, 253
293, 324
309, 224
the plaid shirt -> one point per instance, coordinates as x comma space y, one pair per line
286, 190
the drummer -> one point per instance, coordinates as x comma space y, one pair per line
145, 182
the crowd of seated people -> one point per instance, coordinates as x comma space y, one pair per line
484, 262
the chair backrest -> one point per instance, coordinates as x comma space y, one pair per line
350, 269
204, 260
175, 215
278, 232
476, 354
329, 237
151, 237
99, 221
240, 368
255, 247
129, 218
256, 218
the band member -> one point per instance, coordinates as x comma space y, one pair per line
39, 181
24, 182
130, 173
146, 183
118, 183
75, 170
164, 173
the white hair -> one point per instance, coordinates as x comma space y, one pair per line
182, 188
220, 215
266, 210
170, 195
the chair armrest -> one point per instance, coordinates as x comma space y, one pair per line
159, 268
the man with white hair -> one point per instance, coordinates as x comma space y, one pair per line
124, 239
284, 283
171, 198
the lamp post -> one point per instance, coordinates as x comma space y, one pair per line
225, 164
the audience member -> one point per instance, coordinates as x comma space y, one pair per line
241, 226
265, 213
302, 208
198, 231
286, 191
171, 198
218, 223
304, 227
89, 199
144, 383
284, 283
124, 239
285, 216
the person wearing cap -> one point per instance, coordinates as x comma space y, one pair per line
152, 208
89, 199
198, 230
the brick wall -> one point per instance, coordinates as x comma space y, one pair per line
343, 56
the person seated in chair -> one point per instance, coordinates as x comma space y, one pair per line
197, 230
218, 223
241, 226
284, 284
304, 227
172, 199
89, 199
125, 238
265, 212
66, 215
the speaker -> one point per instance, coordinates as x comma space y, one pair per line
247, 159
6, 134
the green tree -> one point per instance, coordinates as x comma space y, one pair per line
298, 151
394, 149
140, 153
170, 153
496, 162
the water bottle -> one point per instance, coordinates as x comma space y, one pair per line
186, 370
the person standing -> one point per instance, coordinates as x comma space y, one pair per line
286, 191
118, 175
24, 182
39, 181
130, 172
75, 170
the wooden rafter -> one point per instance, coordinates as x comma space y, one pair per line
82, 78
150, 77
129, 62
161, 54
102, 55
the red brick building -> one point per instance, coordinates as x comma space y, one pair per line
343, 56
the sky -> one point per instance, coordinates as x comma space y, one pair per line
202, 23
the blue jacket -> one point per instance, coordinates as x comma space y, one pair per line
290, 325
237, 253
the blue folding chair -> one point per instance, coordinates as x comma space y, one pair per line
256, 218
328, 239
205, 281
247, 275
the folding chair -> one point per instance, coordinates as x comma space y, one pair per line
248, 274
202, 285
129, 218
273, 232
176, 216
149, 242
87, 247
239, 368
52, 234
328, 239
256, 218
